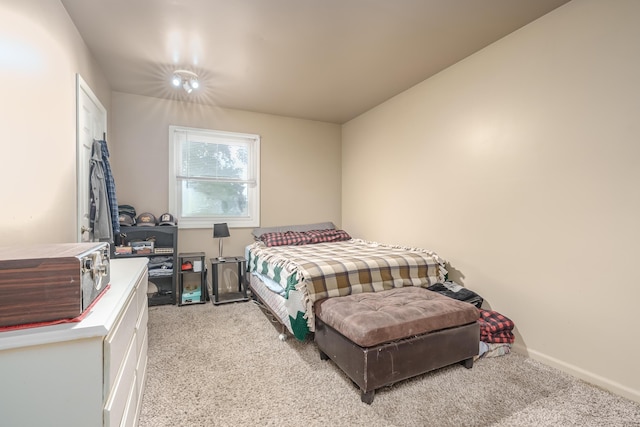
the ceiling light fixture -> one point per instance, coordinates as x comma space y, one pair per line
187, 79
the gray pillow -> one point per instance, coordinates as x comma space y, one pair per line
257, 232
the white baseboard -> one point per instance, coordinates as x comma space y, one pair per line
590, 377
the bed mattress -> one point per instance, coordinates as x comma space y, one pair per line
311, 272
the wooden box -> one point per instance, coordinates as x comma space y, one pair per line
50, 282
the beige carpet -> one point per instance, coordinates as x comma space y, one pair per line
224, 366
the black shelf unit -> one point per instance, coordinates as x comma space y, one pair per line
236, 265
165, 252
192, 278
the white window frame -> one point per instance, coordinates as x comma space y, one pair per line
253, 182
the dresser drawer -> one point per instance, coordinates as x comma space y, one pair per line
122, 389
141, 328
117, 343
141, 292
141, 367
131, 410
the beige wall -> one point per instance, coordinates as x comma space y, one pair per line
519, 166
300, 164
40, 54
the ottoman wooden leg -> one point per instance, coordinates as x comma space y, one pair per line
467, 363
368, 397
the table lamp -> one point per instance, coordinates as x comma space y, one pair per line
220, 231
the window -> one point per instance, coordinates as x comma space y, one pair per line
214, 177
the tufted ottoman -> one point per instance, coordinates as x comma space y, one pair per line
380, 338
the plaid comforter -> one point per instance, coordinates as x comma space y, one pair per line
313, 272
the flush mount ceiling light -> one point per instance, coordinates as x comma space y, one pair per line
187, 79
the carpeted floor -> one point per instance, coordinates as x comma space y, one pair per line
224, 366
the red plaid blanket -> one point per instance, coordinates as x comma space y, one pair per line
495, 327
290, 238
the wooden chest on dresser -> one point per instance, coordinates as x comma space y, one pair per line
90, 373
50, 282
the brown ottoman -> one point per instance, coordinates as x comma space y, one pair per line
380, 338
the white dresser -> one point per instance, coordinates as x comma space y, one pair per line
85, 374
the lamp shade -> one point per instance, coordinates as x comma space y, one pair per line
220, 230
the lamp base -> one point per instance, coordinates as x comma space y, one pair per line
220, 257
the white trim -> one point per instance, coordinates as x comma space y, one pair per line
253, 220
580, 373
83, 87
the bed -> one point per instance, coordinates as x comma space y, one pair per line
293, 267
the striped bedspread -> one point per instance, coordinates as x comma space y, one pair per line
312, 272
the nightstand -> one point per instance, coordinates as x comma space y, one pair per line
232, 271
192, 278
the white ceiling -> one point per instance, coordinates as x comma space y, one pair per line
327, 60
